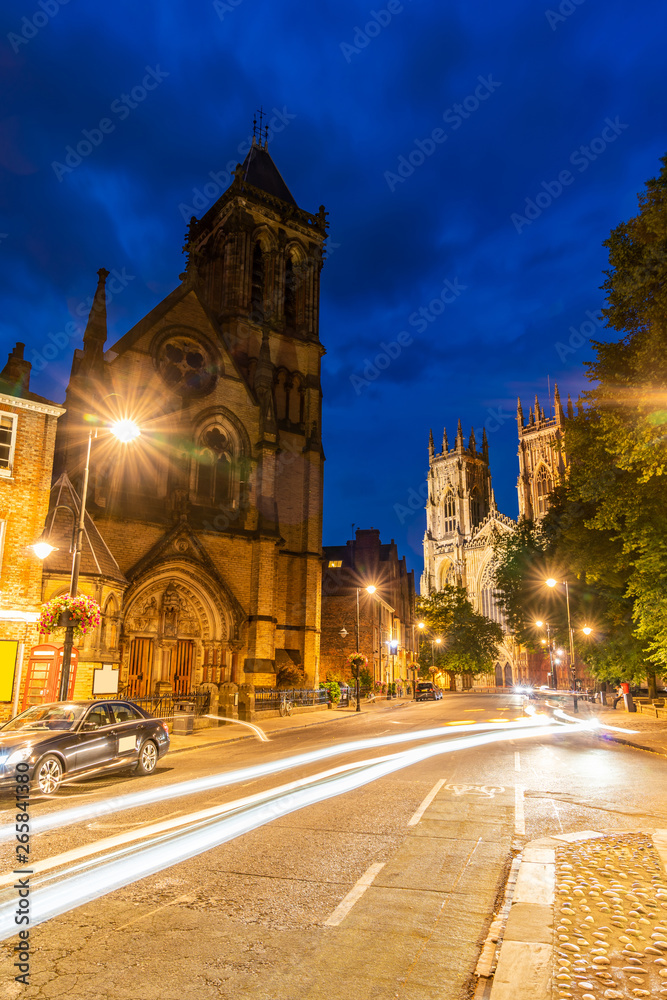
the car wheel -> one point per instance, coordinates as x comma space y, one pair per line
49, 774
147, 758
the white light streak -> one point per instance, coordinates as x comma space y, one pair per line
195, 786
59, 893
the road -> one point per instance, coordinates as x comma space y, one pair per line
260, 916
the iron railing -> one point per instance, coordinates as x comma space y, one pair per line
164, 706
268, 699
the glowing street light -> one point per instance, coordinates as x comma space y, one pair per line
370, 589
587, 630
125, 430
43, 550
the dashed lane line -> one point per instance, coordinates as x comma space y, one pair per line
426, 803
355, 893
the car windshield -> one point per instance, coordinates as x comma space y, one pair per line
424, 687
46, 717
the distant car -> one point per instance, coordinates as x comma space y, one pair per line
427, 691
77, 738
526, 689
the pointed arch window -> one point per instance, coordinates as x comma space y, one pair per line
215, 467
449, 511
475, 507
258, 282
290, 293
543, 487
487, 595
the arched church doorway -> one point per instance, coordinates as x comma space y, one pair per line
140, 671
499, 675
508, 675
175, 627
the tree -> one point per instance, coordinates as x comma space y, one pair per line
618, 440
469, 640
606, 529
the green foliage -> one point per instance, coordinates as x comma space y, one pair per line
607, 525
469, 640
290, 677
333, 687
365, 678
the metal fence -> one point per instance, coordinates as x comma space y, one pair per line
164, 707
268, 699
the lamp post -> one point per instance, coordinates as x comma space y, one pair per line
370, 590
573, 670
547, 626
125, 431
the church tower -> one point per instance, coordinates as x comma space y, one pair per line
214, 515
460, 497
542, 462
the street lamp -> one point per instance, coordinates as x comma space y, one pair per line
370, 590
125, 431
573, 670
547, 642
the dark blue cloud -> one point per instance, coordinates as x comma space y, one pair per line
357, 103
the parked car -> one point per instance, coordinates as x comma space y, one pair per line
427, 691
73, 738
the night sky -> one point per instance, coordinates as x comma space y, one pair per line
423, 127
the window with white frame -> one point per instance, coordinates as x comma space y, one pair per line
7, 442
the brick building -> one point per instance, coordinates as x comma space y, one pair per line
213, 517
386, 617
27, 437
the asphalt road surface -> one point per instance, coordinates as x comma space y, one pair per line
384, 889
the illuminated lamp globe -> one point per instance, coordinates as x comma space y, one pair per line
371, 589
125, 430
42, 549
551, 582
587, 630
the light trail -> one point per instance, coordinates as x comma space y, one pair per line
57, 894
259, 733
195, 786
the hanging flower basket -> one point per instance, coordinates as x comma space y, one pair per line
356, 662
82, 612
413, 666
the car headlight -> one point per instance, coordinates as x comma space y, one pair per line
19, 755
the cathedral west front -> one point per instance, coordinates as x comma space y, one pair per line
463, 522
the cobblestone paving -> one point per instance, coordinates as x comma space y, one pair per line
610, 920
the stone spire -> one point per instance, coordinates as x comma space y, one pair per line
485, 446
472, 443
519, 412
570, 408
537, 409
431, 445
95, 335
445, 442
560, 416
459, 437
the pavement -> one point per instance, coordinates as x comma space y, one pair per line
231, 730
586, 916
645, 733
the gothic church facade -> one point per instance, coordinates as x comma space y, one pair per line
212, 518
463, 522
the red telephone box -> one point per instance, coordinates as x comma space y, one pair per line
42, 682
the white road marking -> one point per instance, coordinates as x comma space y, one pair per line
557, 814
519, 816
355, 893
488, 790
426, 803
517, 760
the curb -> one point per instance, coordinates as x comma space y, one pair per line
251, 736
525, 959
